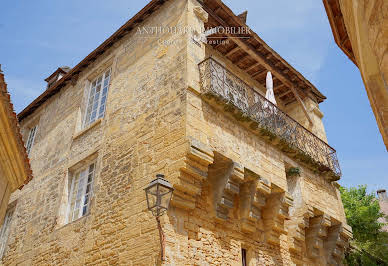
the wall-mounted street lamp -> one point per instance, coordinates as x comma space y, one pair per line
158, 194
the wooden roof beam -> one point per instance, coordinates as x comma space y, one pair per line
252, 67
241, 58
304, 109
235, 49
259, 74
221, 42
284, 94
249, 49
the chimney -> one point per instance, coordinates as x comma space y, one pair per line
57, 75
382, 194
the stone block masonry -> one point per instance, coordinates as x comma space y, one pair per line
231, 188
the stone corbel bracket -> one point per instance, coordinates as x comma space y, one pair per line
336, 243
327, 238
276, 211
193, 171
297, 229
225, 177
253, 195
316, 234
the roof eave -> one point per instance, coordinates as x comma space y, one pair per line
74, 72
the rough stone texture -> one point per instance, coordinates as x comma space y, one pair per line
15, 168
231, 188
367, 28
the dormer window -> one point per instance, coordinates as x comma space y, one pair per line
57, 75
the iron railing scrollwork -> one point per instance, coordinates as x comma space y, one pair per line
217, 81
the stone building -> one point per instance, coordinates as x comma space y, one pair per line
383, 202
255, 183
360, 29
15, 169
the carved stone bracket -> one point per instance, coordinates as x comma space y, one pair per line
315, 235
275, 213
336, 243
327, 238
253, 195
225, 177
193, 171
297, 228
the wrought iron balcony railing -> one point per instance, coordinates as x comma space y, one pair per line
248, 105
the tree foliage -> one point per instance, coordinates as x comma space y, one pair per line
370, 243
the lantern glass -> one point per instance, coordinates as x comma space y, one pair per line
151, 199
158, 193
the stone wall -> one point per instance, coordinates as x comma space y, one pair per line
240, 197
231, 186
141, 135
366, 24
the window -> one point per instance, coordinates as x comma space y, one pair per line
80, 193
4, 231
97, 98
31, 139
244, 256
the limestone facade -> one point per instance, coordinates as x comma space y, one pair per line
360, 29
233, 188
15, 169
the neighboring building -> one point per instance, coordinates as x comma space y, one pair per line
15, 169
383, 201
360, 29
252, 185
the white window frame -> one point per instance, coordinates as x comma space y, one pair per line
80, 175
100, 104
4, 231
31, 138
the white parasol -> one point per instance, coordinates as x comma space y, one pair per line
269, 95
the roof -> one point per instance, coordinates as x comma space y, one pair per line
252, 55
337, 24
13, 138
75, 71
62, 69
285, 76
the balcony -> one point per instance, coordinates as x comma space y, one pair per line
223, 89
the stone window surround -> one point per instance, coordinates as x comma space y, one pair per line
89, 86
75, 166
6, 231
31, 138
34, 123
90, 75
81, 189
86, 129
96, 70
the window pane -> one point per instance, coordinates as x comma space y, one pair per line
84, 210
81, 192
97, 98
31, 138
4, 231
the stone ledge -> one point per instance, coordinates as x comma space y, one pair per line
86, 129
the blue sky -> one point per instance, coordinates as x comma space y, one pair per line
38, 36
